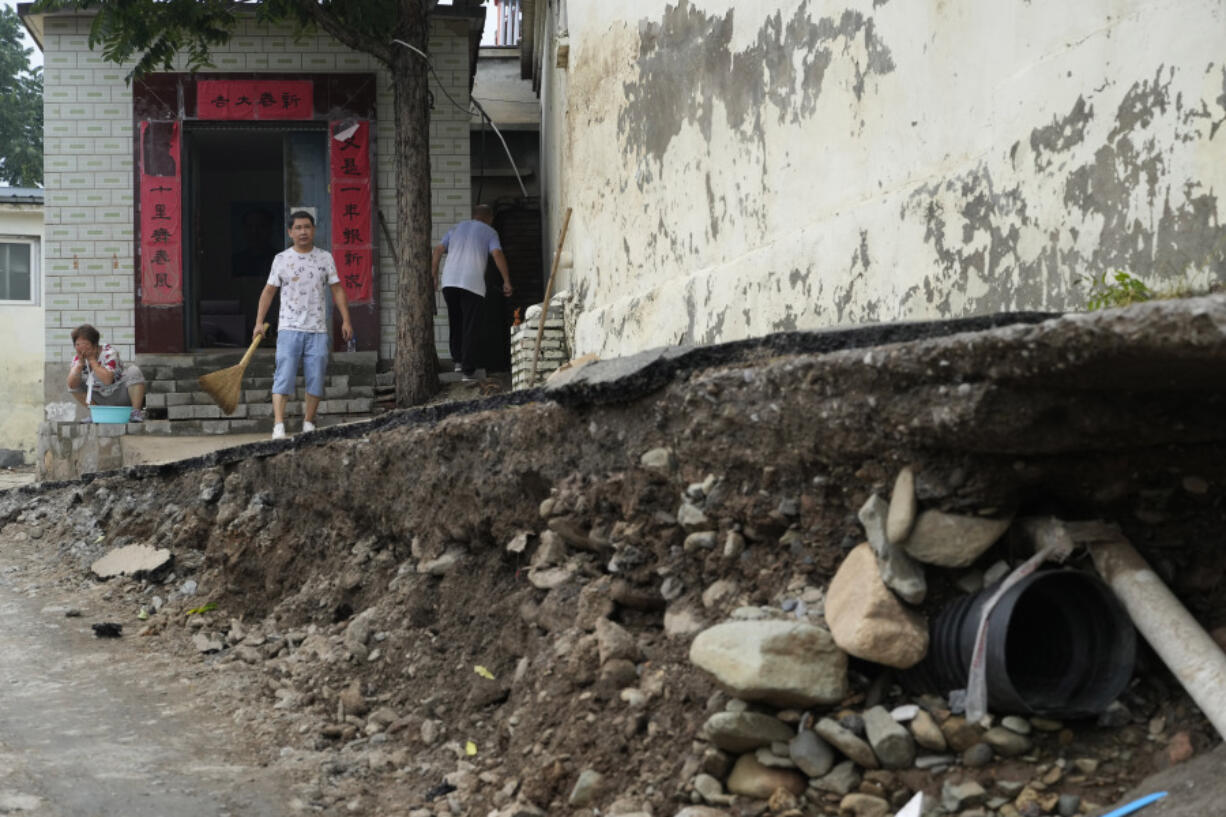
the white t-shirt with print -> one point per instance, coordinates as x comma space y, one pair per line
304, 279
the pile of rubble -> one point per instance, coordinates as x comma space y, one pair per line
677, 613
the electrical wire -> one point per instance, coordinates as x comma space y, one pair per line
468, 111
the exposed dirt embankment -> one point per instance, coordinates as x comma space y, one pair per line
375, 578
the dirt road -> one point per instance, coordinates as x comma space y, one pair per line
93, 727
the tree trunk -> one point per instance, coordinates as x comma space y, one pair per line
416, 361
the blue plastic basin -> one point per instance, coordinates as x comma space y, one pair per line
110, 414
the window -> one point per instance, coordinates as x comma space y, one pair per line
18, 270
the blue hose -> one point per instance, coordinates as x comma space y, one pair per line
1136, 805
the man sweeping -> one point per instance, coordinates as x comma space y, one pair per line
303, 274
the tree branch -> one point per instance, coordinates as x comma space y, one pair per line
347, 35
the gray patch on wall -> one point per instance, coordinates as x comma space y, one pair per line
1131, 159
1144, 101
1221, 101
686, 65
981, 209
1185, 237
844, 300
1061, 134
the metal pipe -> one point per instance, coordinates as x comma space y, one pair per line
1184, 646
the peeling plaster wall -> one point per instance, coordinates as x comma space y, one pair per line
737, 169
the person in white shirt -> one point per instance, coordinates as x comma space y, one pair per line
468, 245
303, 274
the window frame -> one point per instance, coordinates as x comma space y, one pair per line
35, 245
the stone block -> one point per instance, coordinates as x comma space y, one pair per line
867, 619
784, 663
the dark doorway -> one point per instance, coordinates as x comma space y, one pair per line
518, 222
241, 182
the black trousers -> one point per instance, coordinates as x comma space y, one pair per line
464, 325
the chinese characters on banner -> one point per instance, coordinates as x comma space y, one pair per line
352, 222
161, 222
255, 99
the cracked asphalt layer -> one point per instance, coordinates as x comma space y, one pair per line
607, 381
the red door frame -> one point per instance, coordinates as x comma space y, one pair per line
161, 103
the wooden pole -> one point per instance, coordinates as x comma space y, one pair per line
540, 330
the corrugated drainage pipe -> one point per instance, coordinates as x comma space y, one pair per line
1059, 645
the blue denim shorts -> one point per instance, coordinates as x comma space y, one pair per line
309, 347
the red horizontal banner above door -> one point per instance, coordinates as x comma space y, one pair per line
248, 99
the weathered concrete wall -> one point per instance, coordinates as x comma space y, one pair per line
737, 169
21, 332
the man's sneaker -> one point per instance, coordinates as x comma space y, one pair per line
307, 425
137, 416
88, 418
278, 431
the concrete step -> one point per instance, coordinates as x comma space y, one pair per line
210, 411
159, 400
232, 424
185, 368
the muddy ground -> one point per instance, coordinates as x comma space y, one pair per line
382, 626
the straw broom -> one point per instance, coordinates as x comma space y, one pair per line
224, 386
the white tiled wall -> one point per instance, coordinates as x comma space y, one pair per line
88, 167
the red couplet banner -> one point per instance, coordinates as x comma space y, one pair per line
353, 238
255, 99
161, 225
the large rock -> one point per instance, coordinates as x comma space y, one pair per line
352, 701
751, 779
1006, 743
864, 805
841, 779
682, 621
952, 540
811, 754
961, 795
959, 734
867, 620
745, 731
587, 788
615, 641
927, 733
846, 742
890, 740
783, 663
900, 572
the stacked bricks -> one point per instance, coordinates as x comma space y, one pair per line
68, 450
553, 344
89, 174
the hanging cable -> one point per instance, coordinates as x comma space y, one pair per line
468, 111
